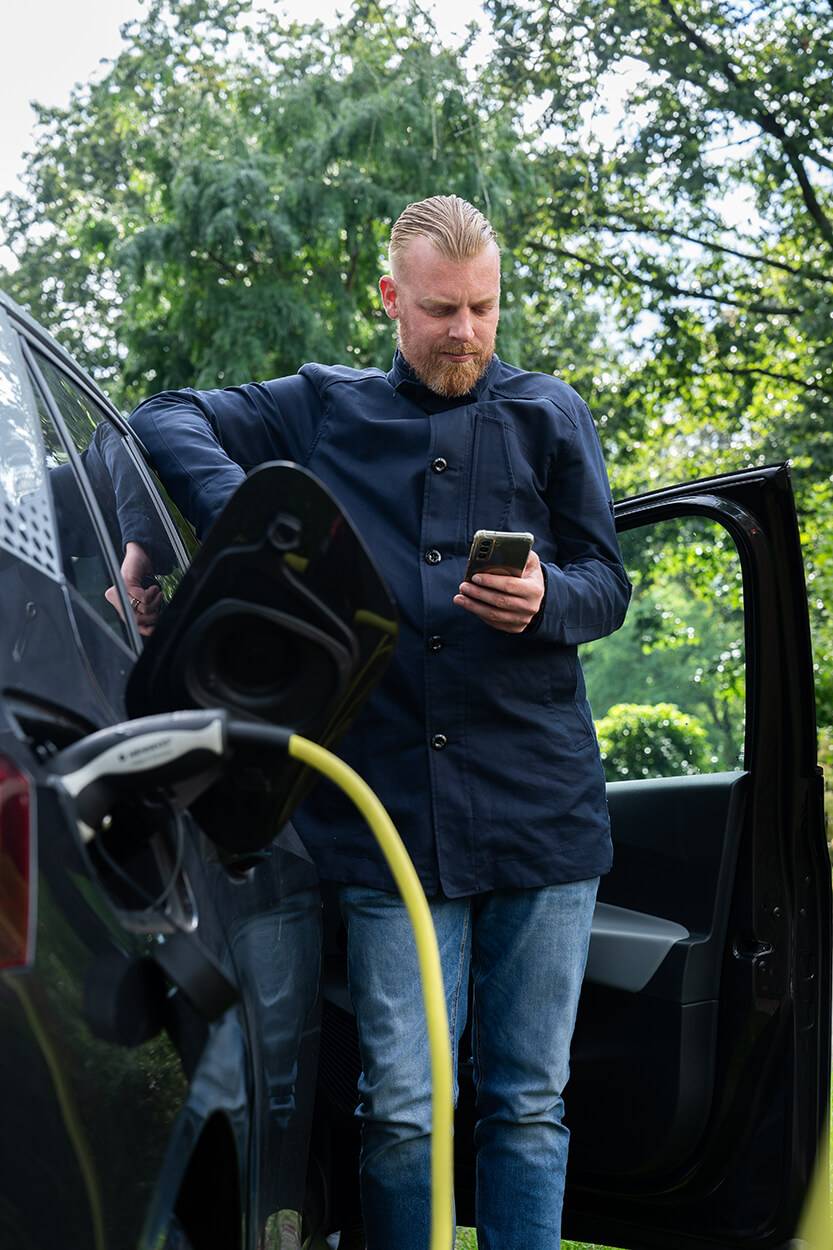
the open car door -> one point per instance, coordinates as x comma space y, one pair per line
701, 1063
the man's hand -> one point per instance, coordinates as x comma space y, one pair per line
145, 600
505, 603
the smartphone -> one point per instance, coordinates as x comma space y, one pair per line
495, 551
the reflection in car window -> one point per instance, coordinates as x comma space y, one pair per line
184, 528
26, 529
124, 499
668, 690
83, 561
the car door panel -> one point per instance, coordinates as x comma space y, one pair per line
649, 1042
628, 947
676, 849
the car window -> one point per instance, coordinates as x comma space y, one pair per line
126, 503
668, 689
186, 531
26, 525
83, 560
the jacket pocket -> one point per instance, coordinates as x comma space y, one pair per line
492, 483
568, 701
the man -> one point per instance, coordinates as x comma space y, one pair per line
479, 739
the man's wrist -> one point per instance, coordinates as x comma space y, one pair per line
534, 624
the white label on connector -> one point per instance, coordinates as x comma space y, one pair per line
148, 751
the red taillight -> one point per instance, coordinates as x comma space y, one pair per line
14, 865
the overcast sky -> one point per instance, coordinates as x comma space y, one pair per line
49, 45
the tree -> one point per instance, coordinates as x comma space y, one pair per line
217, 206
683, 639
652, 740
732, 103
705, 223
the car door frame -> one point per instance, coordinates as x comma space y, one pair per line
34, 341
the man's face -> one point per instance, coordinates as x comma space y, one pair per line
447, 312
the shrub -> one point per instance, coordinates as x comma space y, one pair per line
652, 740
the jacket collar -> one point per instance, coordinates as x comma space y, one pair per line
403, 379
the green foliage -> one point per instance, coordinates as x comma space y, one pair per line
217, 207
652, 740
710, 207
682, 641
704, 222
467, 1240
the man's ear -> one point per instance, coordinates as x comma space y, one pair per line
387, 287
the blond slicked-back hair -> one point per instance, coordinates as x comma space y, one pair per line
455, 227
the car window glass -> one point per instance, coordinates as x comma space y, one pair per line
129, 512
82, 557
668, 689
26, 529
185, 530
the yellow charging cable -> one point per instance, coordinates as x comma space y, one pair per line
428, 955
815, 1231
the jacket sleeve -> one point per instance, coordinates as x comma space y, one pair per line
203, 443
587, 588
123, 498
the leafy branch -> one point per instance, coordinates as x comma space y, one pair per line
764, 117
664, 286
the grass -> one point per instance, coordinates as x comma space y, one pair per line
467, 1240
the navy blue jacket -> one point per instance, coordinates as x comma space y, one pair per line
480, 743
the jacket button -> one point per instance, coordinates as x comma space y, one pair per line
435, 643
439, 741
439, 465
433, 556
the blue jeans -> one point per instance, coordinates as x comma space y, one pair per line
526, 951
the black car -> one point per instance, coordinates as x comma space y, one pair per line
159, 1009
170, 1069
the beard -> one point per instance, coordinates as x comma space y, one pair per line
445, 377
